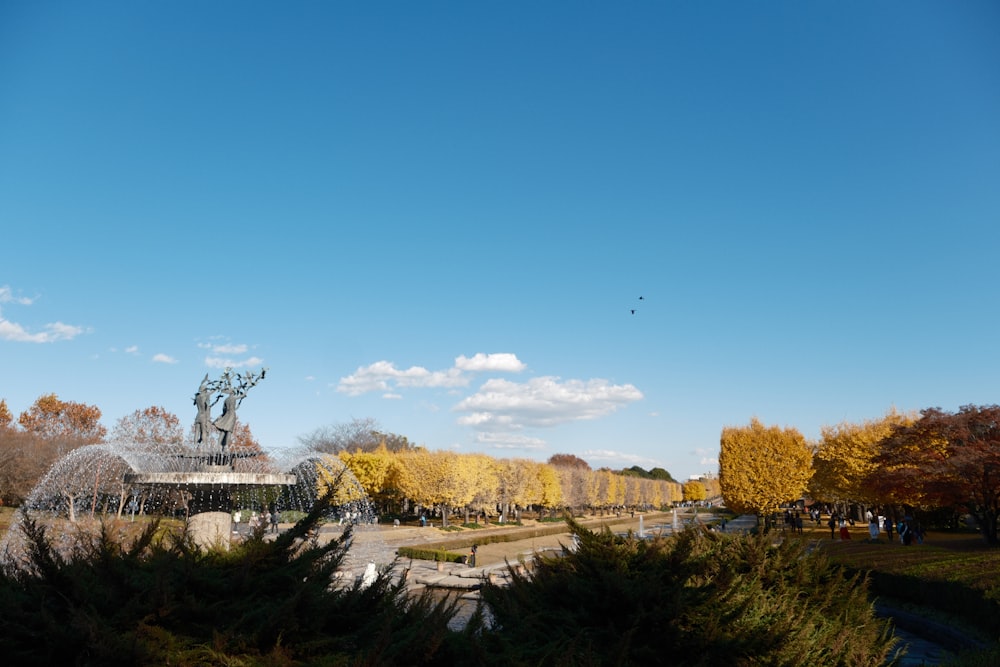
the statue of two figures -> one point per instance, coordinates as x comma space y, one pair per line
233, 388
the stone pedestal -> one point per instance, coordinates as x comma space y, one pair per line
211, 530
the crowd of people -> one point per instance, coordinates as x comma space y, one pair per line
267, 521
907, 529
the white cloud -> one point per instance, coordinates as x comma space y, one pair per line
13, 331
51, 333
164, 359
510, 441
7, 296
223, 362
543, 402
226, 355
229, 349
619, 459
132, 349
503, 361
384, 376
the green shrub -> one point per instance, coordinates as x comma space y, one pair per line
429, 554
700, 598
158, 602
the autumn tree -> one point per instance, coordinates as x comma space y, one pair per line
844, 462
947, 459
364, 434
438, 478
335, 478
763, 467
694, 491
608, 488
574, 484
486, 481
548, 479
711, 484
373, 471
47, 430
23, 460
6, 418
152, 428
568, 461
516, 481
72, 423
632, 495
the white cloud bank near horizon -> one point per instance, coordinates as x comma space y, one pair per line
500, 410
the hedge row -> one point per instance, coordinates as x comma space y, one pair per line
442, 549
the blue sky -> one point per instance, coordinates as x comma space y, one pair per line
439, 215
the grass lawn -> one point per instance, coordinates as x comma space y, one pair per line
953, 573
959, 557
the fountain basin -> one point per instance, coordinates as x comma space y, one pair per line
211, 479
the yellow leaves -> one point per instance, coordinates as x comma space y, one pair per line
478, 481
762, 468
331, 474
439, 478
551, 490
845, 457
694, 491
370, 468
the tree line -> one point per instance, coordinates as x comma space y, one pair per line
479, 485
395, 473
937, 463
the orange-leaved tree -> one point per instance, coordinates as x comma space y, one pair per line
947, 459
72, 423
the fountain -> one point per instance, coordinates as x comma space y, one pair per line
208, 474
202, 481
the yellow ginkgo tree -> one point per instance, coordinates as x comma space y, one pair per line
762, 467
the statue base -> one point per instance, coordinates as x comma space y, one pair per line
211, 530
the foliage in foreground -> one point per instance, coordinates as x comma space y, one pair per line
698, 599
166, 602
701, 598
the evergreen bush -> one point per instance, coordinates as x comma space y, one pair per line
164, 601
699, 598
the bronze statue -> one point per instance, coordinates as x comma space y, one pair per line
234, 392
203, 401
